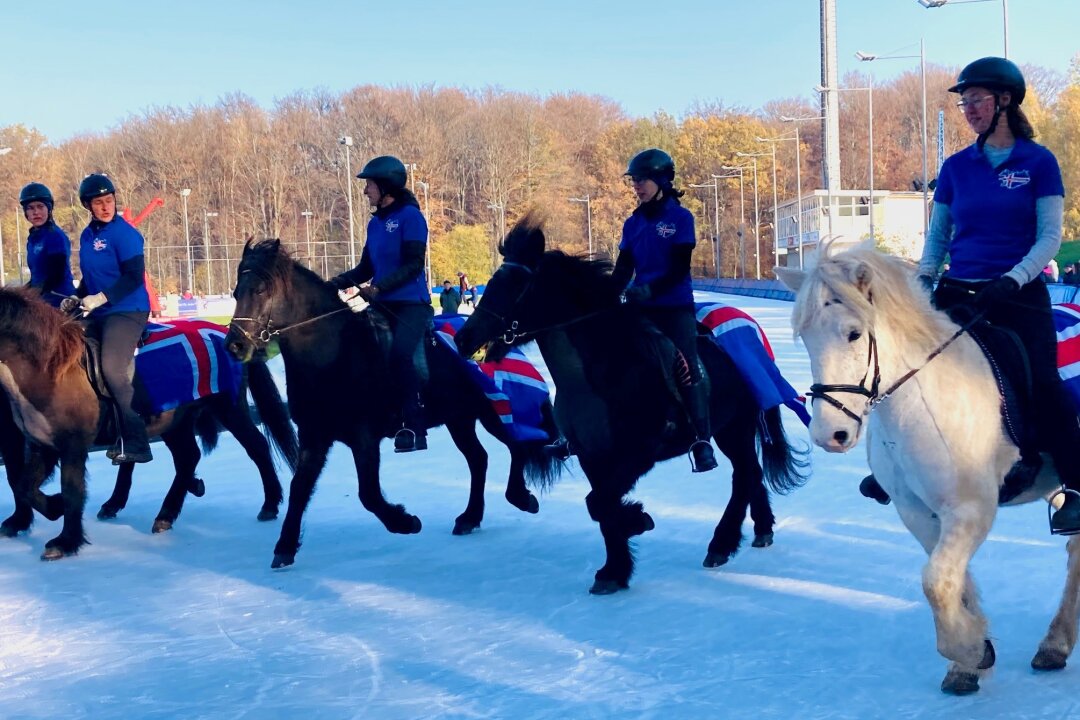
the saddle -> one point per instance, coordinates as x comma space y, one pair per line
95, 375
380, 326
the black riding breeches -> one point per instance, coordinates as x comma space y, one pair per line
680, 326
119, 334
409, 323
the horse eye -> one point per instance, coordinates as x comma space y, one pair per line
853, 336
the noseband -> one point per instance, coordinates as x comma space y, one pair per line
821, 390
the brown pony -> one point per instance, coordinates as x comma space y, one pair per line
54, 405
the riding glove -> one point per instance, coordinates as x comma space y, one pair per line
69, 304
91, 303
638, 293
927, 283
996, 292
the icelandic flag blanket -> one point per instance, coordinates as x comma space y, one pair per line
516, 389
185, 360
744, 340
1067, 323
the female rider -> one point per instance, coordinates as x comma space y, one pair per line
48, 250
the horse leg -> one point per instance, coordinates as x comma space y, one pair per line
365, 447
308, 468
39, 467
762, 515
517, 493
1060, 639
256, 447
12, 447
121, 491
463, 433
619, 521
73, 491
186, 455
746, 474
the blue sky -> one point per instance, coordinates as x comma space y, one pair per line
85, 66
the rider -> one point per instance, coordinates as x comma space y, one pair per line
657, 242
393, 260
113, 294
998, 211
48, 250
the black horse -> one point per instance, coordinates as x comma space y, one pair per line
50, 400
337, 379
616, 402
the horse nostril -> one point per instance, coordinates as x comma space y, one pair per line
840, 436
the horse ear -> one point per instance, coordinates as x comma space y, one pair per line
792, 277
862, 276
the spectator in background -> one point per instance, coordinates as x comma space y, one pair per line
463, 289
449, 298
1070, 276
48, 250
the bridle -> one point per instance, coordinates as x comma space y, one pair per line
874, 395
263, 335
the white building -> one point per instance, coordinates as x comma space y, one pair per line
898, 222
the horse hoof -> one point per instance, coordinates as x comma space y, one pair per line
415, 526
606, 587
197, 487
161, 526
763, 540
10, 531
281, 560
647, 522
525, 503
713, 560
959, 682
54, 507
267, 514
54, 552
465, 527
107, 513
1049, 659
989, 656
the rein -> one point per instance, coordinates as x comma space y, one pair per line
874, 396
266, 334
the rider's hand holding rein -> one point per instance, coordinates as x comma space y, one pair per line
90, 303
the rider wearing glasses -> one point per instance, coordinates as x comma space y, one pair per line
998, 211
657, 242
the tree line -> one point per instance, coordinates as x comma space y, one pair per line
479, 159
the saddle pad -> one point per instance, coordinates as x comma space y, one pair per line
514, 387
743, 339
182, 361
1067, 324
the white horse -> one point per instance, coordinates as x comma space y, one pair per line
935, 440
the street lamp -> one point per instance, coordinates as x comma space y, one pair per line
757, 215
742, 213
187, 241
588, 216
931, 4
306, 214
798, 187
346, 140
206, 240
3, 151
870, 133
776, 222
828, 186
427, 218
870, 57
716, 219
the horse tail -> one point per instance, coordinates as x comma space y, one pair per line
786, 467
208, 429
273, 413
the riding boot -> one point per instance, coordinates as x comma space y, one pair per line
871, 488
696, 398
1066, 521
134, 444
413, 436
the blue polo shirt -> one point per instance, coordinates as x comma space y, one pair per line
650, 240
102, 247
40, 243
386, 233
993, 209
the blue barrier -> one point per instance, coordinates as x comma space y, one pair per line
770, 289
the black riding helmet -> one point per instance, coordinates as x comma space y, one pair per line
36, 192
654, 164
993, 73
95, 185
386, 171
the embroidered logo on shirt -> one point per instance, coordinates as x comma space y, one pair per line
37, 247
391, 225
1012, 179
665, 230
100, 245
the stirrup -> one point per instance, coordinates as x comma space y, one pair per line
408, 440
702, 458
1050, 512
559, 450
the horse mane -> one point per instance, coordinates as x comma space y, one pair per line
874, 286
50, 340
271, 261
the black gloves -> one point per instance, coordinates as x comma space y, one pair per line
996, 292
341, 282
637, 294
927, 283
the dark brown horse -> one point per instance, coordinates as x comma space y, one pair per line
54, 405
337, 377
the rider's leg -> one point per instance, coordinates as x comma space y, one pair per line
120, 334
411, 321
